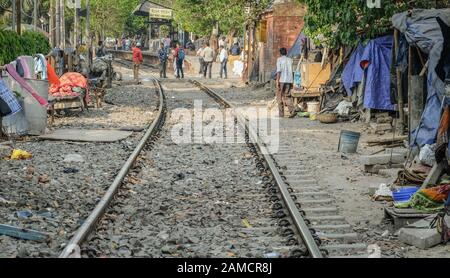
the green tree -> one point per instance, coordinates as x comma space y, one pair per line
201, 17
350, 22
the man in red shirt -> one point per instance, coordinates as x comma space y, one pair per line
137, 61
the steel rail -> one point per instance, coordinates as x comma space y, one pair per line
296, 216
86, 228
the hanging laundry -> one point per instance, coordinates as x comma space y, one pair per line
8, 102
23, 83
429, 200
40, 66
25, 67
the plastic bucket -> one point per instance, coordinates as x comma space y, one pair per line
348, 143
35, 114
313, 107
404, 194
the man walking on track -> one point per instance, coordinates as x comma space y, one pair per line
162, 61
208, 58
137, 61
285, 80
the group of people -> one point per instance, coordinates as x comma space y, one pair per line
179, 55
207, 56
126, 44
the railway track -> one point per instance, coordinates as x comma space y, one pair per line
72, 248
168, 207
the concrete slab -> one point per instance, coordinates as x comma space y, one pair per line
420, 235
82, 135
382, 159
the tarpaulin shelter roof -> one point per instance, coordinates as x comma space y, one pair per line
422, 28
296, 49
376, 56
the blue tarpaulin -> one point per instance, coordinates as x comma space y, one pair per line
378, 56
421, 28
353, 73
296, 49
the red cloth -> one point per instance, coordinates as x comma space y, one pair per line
52, 76
137, 55
67, 82
177, 50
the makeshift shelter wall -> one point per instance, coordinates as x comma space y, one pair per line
421, 28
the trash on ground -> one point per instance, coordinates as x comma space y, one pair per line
23, 233
20, 155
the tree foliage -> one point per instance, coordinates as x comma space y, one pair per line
201, 17
352, 21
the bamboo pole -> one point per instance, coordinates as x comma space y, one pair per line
399, 84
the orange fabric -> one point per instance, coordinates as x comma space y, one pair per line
137, 55
67, 82
52, 76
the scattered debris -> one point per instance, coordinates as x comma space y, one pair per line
23, 233
20, 155
74, 158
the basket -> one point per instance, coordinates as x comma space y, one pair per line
328, 118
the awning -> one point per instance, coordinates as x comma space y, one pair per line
143, 8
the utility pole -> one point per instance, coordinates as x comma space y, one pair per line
52, 23
77, 22
63, 23
58, 24
88, 32
19, 16
14, 15
35, 15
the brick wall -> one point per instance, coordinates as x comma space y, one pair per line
284, 24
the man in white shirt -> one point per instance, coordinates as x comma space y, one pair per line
223, 58
222, 42
200, 58
285, 81
208, 58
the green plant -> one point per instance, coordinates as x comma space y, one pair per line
35, 42
29, 43
350, 22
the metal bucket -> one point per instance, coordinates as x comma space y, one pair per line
15, 125
348, 142
35, 114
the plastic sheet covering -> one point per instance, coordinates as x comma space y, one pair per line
378, 55
422, 29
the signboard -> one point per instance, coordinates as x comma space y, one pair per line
160, 13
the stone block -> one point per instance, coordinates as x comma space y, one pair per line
380, 159
5, 151
375, 169
381, 127
420, 235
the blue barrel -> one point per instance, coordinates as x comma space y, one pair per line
348, 143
